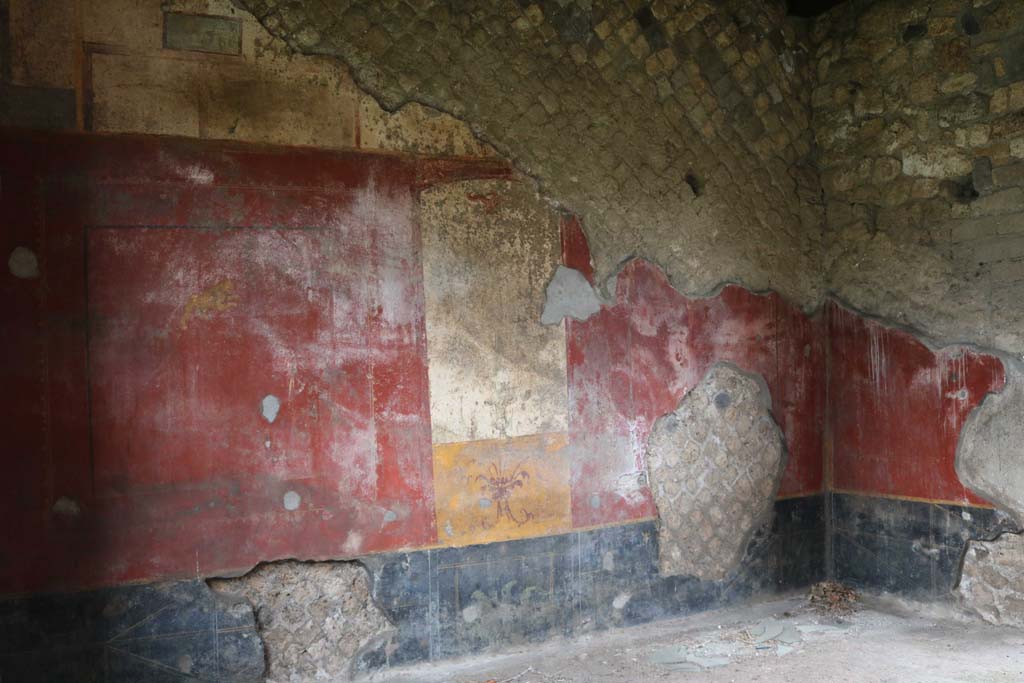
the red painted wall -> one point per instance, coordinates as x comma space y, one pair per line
897, 408
182, 282
635, 360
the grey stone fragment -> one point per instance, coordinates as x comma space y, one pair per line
982, 175
569, 295
714, 466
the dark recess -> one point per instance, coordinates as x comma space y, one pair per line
695, 184
913, 32
810, 8
970, 25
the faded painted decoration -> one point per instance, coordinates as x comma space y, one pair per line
502, 489
229, 359
489, 249
714, 464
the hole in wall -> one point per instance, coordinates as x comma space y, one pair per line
809, 8
960, 190
970, 25
695, 183
645, 17
913, 32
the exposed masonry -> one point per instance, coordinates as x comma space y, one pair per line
918, 115
992, 582
919, 121
314, 617
619, 110
714, 467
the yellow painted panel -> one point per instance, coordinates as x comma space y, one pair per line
501, 489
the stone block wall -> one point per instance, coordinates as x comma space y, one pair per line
919, 120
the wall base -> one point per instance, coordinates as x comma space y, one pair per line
911, 548
443, 603
456, 601
154, 633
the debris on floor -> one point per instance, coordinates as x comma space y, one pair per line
773, 634
684, 658
832, 598
767, 636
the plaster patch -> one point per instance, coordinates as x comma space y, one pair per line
714, 465
569, 295
292, 500
471, 613
270, 406
990, 455
23, 263
67, 507
608, 561
353, 543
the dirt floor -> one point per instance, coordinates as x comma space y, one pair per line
783, 640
